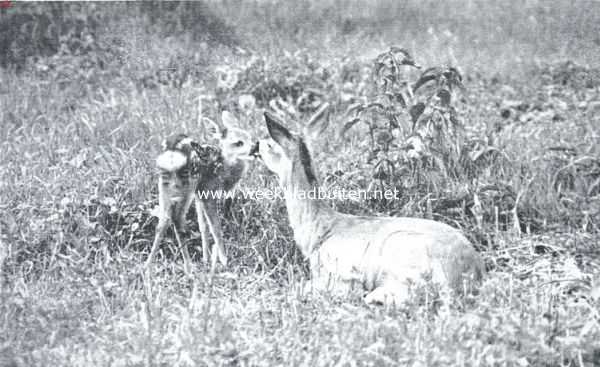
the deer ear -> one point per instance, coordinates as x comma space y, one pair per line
277, 131
215, 129
229, 120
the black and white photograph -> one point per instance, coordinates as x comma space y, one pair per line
300, 183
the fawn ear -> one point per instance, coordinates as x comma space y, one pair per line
229, 120
215, 129
277, 131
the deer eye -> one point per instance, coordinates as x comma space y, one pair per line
184, 172
238, 143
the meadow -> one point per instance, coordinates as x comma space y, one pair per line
496, 134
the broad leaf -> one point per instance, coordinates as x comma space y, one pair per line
416, 111
444, 97
424, 79
356, 108
375, 105
400, 99
348, 125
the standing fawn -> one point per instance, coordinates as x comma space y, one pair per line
193, 172
382, 255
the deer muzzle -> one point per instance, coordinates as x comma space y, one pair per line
254, 151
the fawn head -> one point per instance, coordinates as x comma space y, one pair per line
234, 142
175, 175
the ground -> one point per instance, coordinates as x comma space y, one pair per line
87, 93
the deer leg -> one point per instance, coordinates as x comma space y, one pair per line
180, 227
161, 227
388, 295
203, 227
187, 261
164, 219
214, 224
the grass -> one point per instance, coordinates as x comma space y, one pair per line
81, 128
108, 314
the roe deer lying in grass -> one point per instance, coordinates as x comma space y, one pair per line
381, 254
186, 170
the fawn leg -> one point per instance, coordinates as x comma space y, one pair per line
164, 218
180, 226
187, 261
214, 224
161, 227
203, 227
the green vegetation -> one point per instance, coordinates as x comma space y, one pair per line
501, 140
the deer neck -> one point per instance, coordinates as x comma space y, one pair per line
309, 216
233, 170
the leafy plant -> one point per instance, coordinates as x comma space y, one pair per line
411, 126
